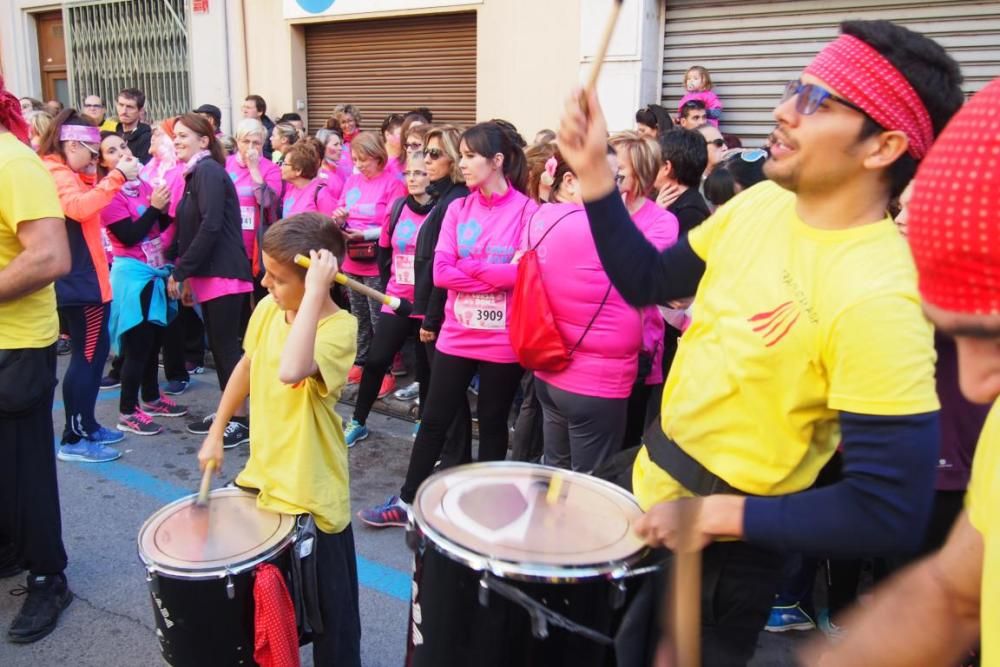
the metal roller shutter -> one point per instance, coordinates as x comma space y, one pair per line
752, 49
392, 65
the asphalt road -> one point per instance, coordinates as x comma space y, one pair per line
110, 623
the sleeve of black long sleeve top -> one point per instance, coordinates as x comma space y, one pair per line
129, 232
642, 274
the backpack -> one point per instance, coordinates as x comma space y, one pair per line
534, 335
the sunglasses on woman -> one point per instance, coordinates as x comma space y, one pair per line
434, 153
718, 143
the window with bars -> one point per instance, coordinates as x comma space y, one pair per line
115, 44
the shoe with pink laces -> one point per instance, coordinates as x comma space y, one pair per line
164, 407
139, 423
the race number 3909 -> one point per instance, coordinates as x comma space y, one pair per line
481, 311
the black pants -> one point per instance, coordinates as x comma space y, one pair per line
528, 442
139, 369
738, 585
337, 579
183, 341
458, 443
390, 335
450, 377
30, 520
90, 342
224, 326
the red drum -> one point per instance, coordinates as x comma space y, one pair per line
502, 577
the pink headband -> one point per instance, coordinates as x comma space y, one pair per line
87, 133
863, 76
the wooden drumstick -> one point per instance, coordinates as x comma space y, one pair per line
401, 307
555, 488
685, 610
206, 485
602, 50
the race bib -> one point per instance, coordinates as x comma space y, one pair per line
246, 216
482, 311
153, 250
403, 267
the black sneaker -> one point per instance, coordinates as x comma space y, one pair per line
47, 595
236, 434
110, 382
202, 426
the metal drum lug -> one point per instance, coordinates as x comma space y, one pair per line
153, 582
617, 594
484, 590
230, 588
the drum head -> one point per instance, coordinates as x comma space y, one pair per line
231, 534
495, 516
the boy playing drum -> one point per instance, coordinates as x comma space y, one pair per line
298, 349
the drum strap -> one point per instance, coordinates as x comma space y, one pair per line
691, 474
541, 616
306, 591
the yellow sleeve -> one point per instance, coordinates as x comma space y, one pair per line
879, 357
335, 349
985, 473
27, 192
703, 237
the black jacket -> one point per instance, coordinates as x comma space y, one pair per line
429, 300
268, 124
138, 140
209, 240
691, 210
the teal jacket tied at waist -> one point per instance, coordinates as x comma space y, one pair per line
128, 278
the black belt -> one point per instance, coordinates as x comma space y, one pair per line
691, 474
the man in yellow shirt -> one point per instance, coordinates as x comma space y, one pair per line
933, 612
298, 349
807, 333
34, 252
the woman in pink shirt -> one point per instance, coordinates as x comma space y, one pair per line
304, 190
479, 235
347, 118
333, 149
258, 186
397, 246
639, 161
362, 212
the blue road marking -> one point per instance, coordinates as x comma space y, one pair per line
375, 576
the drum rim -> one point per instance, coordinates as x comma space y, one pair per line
197, 574
521, 571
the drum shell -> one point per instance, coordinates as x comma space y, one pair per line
448, 626
198, 624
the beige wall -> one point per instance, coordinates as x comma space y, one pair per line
528, 58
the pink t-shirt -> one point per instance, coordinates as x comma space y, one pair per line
312, 197
404, 246
397, 169
478, 239
605, 362
367, 203
661, 229
710, 99
334, 181
346, 165
151, 249
245, 189
208, 288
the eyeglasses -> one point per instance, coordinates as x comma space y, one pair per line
414, 174
93, 151
413, 146
434, 153
811, 97
718, 143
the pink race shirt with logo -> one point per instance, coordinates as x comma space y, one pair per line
312, 197
479, 236
245, 189
150, 250
334, 181
367, 202
403, 245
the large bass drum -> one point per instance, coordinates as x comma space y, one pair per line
200, 566
503, 577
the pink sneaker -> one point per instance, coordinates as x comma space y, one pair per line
354, 375
165, 407
139, 423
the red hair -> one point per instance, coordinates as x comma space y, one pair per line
10, 114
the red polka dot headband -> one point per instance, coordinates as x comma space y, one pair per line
862, 75
954, 212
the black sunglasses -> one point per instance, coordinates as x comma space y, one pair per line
434, 153
718, 143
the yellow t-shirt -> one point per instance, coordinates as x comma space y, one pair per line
791, 325
298, 457
982, 501
27, 192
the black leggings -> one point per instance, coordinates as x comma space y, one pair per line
90, 342
450, 377
390, 334
139, 347
224, 327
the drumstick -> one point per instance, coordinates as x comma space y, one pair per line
206, 484
555, 487
401, 307
685, 616
602, 51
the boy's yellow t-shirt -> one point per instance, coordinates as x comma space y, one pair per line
792, 324
982, 501
298, 457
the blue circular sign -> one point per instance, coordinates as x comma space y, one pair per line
315, 6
